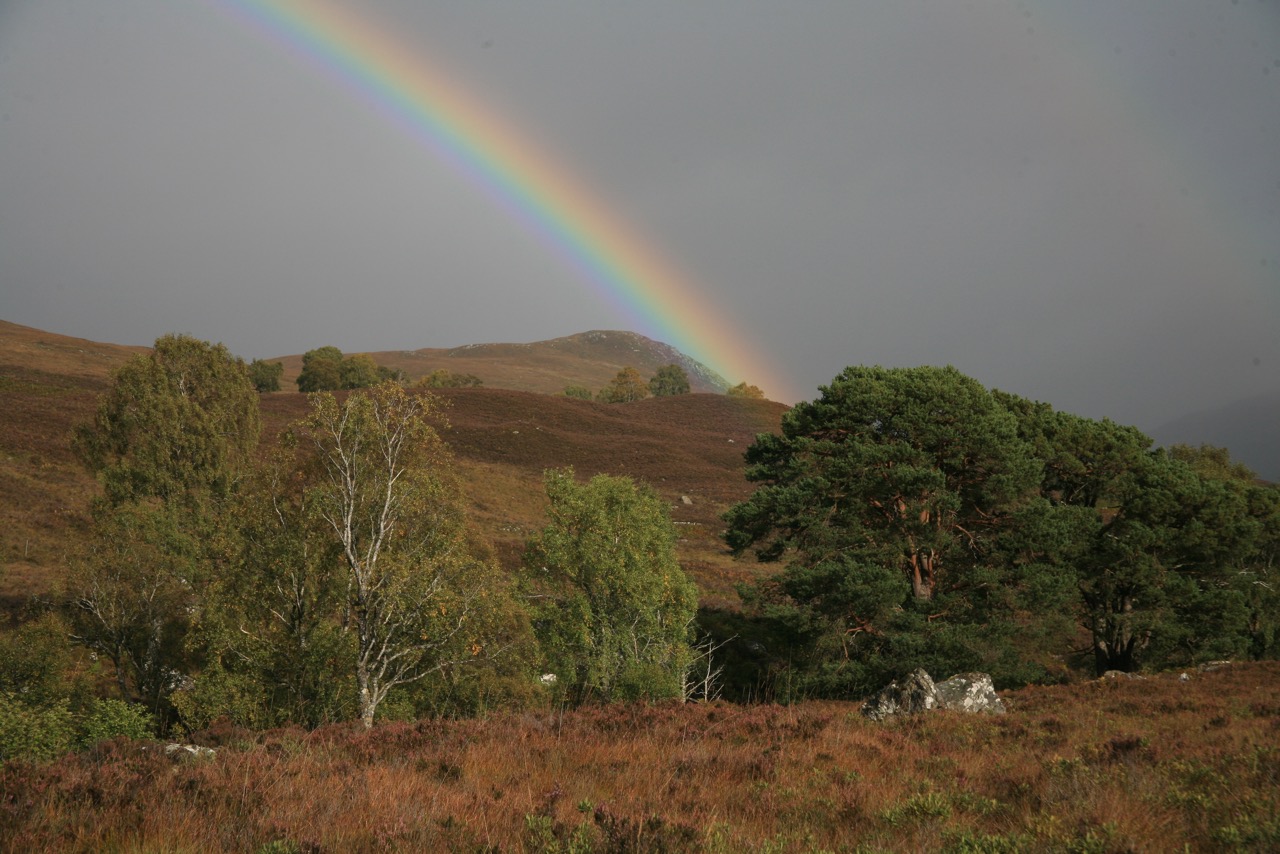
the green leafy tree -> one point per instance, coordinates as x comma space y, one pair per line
1085, 461
36, 661
179, 424
271, 633
109, 718
34, 732
326, 369
321, 370
890, 498
359, 371
625, 387
1156, 584
379, 482
616, 608
669, 380
1157, 549
1257, 576
265, 376
170, 442
386, 374
133, 594
579, 392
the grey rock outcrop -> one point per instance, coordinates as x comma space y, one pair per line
1121, 674
970, 692
188, 751
911, 695
917, 692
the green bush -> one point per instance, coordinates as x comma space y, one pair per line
266, 375
113, 718
35, 660
33, 732
216, 694
648, 680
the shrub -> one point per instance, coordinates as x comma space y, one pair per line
216, 694
266, 375
33, 732
35, 661
441, 378
115, 718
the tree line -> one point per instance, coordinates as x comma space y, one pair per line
628, 386
921, 520
917, 518
328, 369
333, 577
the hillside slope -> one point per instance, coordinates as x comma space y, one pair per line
688, 447
589, 359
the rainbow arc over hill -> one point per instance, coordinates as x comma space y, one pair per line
529, 185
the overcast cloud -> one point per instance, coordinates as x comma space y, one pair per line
1078, 202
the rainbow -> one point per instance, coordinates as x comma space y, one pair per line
529, 185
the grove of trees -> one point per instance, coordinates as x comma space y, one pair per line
326, 369
265, 376
335, 577
669, 380
626, 387
922, 520
917, 519
442, 378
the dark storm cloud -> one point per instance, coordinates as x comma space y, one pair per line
1075, 202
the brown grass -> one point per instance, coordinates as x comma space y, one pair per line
48, 383
1142, 765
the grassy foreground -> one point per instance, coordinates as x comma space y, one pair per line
1158, 764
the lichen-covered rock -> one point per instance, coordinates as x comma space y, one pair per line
188, 751
1121, 674
911, 695
1210, 666
970, 692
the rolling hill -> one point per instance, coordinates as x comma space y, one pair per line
589, 359
504, 435
689, 448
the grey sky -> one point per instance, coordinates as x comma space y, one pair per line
1075, 201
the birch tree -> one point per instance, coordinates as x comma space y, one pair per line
380, 484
